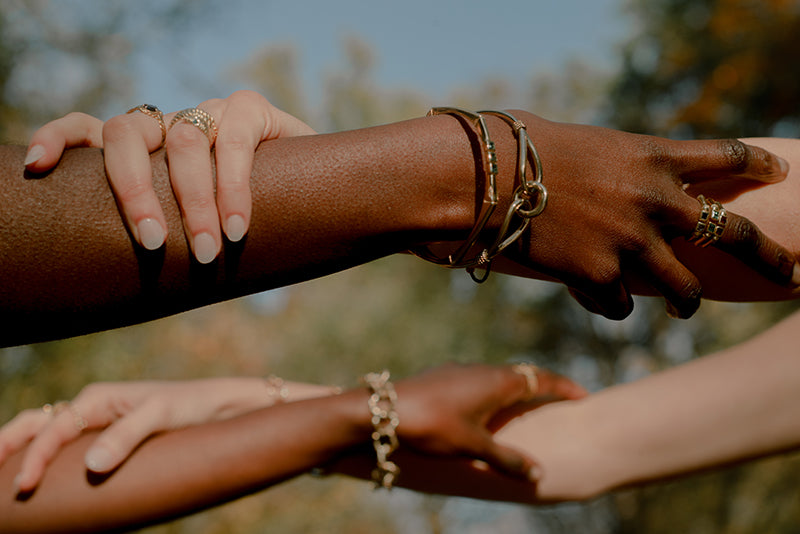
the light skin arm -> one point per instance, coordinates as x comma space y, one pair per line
325, 203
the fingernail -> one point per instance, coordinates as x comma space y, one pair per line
34, 154
17, 480
205, 248
796, 274
234, 228
535, 473
784, 165
672, 311
151, 233
98, 459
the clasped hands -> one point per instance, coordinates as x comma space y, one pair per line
617, 200
451, 410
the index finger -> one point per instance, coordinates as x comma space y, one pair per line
699, 161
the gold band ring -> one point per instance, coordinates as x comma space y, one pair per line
55, 409
711, 223
528, 371
199, 118
152, 111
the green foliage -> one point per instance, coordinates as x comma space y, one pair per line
710, 68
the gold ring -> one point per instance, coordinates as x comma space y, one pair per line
711, 223
528, 371
152, 111
199, 118
54, 409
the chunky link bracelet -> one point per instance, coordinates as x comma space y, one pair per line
530, 197
381, 402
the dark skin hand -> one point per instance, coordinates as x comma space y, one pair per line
621, 222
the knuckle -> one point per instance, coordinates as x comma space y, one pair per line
118, 128
655, 152
198, 203
735, 153
234, 143
747, 238
132, 189
185, 137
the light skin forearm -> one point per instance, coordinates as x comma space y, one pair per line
727, 407
164, 478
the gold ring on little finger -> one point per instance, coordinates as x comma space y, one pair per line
529, 372
200, 119
711, 223
152, 111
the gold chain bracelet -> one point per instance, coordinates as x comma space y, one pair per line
382, 402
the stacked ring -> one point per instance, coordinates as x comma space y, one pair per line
54, 409
711, 223
528, 371
200, 119
152, 111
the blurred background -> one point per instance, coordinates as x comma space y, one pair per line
681, 68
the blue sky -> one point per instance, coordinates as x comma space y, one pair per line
428, 45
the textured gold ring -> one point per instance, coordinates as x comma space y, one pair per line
529, 372
199, 118
152, 111
711, 223
55, 409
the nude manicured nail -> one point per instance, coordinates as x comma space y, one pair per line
535, 474
98, 459
205, 248
234, 228
151, 234
34, 154
796, 275
784, 165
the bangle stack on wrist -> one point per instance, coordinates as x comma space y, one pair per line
530, 197
381, 402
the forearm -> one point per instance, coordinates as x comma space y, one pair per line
321, 204
723, 408
180, 472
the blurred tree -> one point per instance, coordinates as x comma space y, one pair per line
710, 68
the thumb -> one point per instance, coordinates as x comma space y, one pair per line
510, 461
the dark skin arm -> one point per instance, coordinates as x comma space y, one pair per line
325, 203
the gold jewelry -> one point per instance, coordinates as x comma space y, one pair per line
55, 409
529, 372
199, 118
381, 402
711, 223
530, 197
153, 111
277, 389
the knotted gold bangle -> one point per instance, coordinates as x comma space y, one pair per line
530, 197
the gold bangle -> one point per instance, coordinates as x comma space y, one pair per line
530, 197
382, 402
456, 259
